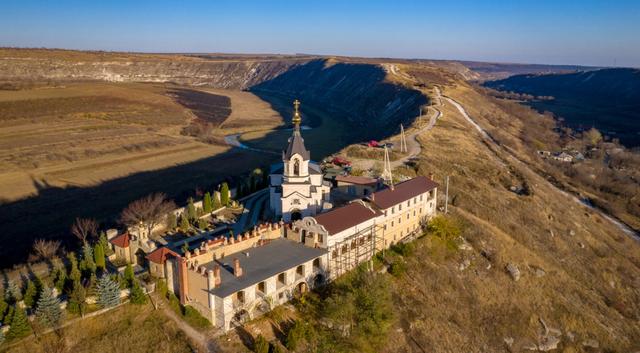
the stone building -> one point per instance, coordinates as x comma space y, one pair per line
296, 186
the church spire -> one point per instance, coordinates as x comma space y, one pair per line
296, 115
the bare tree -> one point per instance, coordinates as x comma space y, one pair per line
45, 249
84, 227
147, 212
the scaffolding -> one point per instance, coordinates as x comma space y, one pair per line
355, 249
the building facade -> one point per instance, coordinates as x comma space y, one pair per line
296, 187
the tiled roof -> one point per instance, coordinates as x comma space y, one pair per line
160, 255
121, 241
402, 192
339, 219
359, 180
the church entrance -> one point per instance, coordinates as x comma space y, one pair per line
296, 215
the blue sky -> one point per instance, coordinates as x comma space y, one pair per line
552, 32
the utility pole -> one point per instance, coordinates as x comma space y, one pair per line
386, 173
403, 140
446, 198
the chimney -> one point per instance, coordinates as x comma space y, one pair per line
431, 176
237, 270
216, 274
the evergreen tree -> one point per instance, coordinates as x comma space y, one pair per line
224, 194
191, 210
87, 265
74, 271
129, 276
9, 316
207, 205
30, 294
77, 299
48, 309
172, 222
202, 224
13, 293
216, 204
108, 292
19, 325
99, 258
3, 305
60, 279
260, 345
106, 247
137, 295
184, 223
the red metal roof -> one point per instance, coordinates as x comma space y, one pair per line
402, 192
160, 255
339, 219
121, 241
359, 180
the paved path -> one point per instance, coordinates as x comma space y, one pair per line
232, 140
253, 207
619, 224
413, 146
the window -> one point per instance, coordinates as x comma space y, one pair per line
385, 227
262, 288
400, 207
296, 167
392, 223
399, 220
393, 209
420, 197
414, 213
320, 238
334, 254
407, 215
385, 213
316, 263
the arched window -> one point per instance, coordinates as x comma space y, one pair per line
296, 167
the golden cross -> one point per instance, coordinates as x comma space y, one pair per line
296, 104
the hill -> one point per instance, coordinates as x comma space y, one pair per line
608, 99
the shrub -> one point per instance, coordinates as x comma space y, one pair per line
294, 336
207, 205
137, 295
194, 318
129, 276
224, 194
191, 210
172, 221
30, 294
446, 231
260, 345
99, 257
397, 268
403, 249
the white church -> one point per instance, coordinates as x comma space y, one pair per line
296, 186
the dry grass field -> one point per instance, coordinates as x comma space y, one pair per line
63, 147
130, 328
589, 287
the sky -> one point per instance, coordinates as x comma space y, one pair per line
587, 32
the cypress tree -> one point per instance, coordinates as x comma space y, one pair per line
19, 325
207, 205
224, 194
77, 300
137, 295
108, 292
184, 223
172, 222
216, 201
129, 276
191, 210
99, 258
105, 244
74, 271
202, 224
48, 309
87, 265
30, 294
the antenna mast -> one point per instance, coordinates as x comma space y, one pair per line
403, 140
386, 173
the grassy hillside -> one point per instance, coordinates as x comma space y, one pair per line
608, 99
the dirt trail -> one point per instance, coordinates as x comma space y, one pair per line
203, 340
485, 135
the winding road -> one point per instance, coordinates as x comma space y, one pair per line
619, 224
